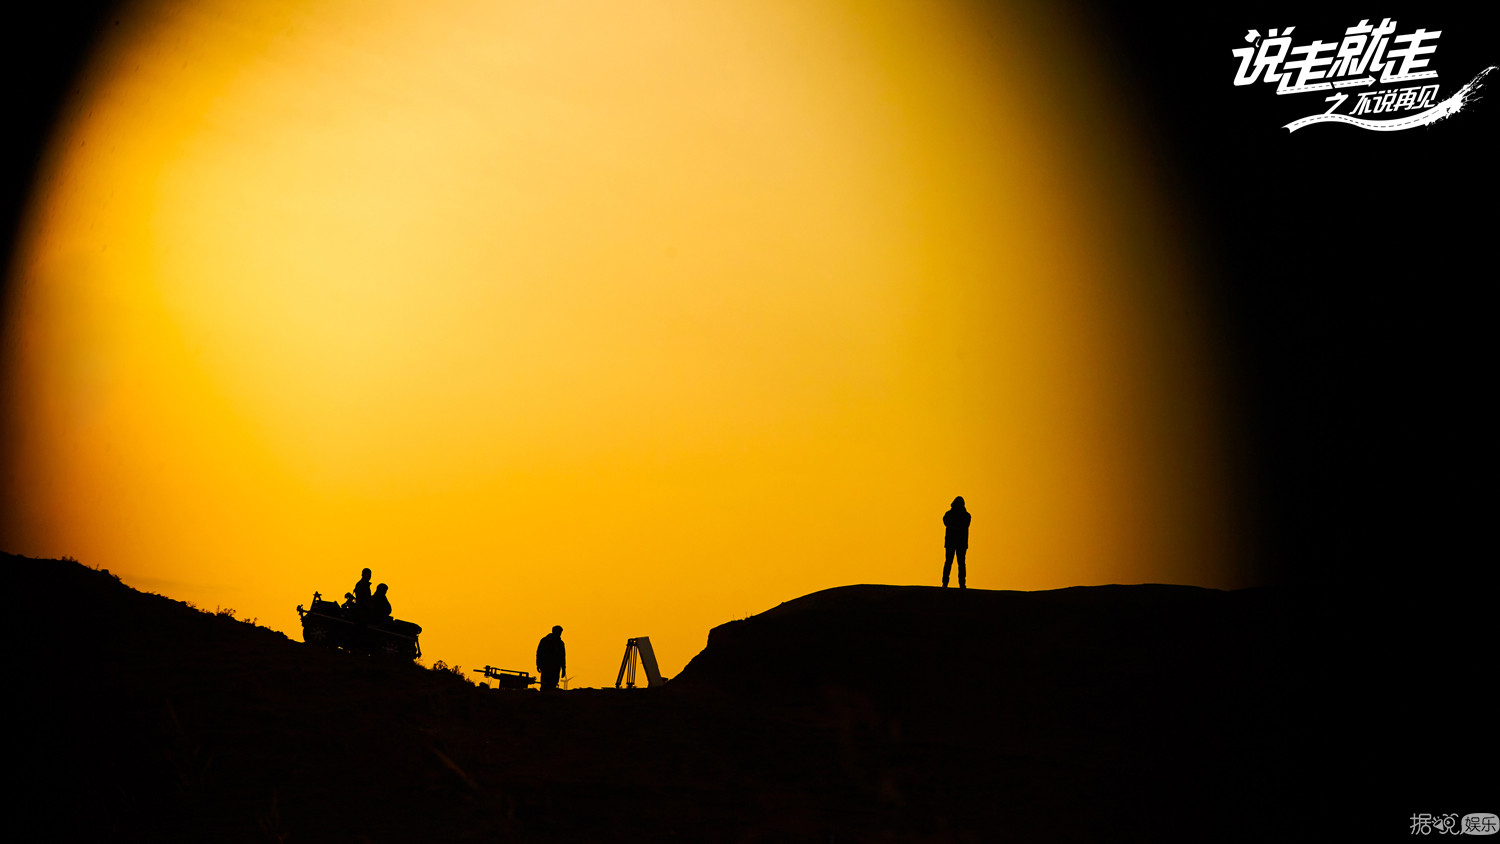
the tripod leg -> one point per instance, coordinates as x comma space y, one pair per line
620, 678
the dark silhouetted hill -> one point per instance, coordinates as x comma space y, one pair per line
863, 713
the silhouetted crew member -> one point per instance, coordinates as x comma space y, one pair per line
955, 539
380, 605
551, 658
362, 593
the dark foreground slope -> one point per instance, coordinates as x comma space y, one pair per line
865, 713
1108, 706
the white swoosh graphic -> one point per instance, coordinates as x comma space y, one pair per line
1447, 108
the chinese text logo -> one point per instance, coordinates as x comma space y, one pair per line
1479, 823
1396, 67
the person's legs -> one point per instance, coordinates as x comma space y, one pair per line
550, 677
948, 565
962, 552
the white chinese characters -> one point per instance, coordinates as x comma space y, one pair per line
1366, 56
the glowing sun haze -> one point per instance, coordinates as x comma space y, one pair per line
629, 317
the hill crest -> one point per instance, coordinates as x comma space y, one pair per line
861, 713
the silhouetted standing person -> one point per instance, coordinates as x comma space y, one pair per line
362, 595
380, 605
551, 658
955, 539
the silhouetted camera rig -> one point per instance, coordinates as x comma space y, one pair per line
506, 678
639, 648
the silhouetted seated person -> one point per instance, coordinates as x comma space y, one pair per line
955, 539
551, 658
348, 605
380, 606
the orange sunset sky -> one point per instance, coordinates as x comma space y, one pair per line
630, 317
